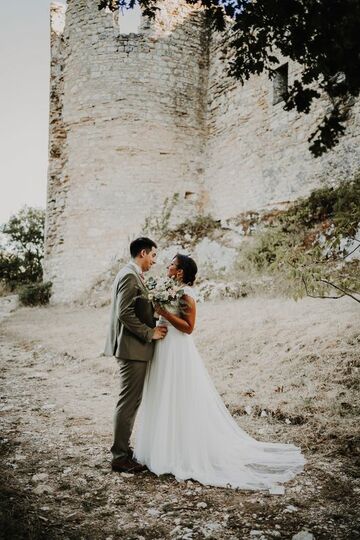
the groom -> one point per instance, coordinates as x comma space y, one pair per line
131, 339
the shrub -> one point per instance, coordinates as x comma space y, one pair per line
22, 248
340, 205
35, 294
158, 224
290, 249
188, 233
191, 231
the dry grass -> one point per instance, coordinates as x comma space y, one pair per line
297, 361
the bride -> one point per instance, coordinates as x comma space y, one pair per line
184, 427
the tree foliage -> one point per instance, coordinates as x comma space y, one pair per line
22, 247
320, 35
35, 294
311, 246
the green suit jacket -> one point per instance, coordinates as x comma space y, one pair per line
132, 319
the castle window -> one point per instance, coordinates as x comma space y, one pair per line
280, 83
129, 20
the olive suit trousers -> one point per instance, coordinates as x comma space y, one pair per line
132, 377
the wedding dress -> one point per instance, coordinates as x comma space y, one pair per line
185, 429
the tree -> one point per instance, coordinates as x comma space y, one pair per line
22, 247
320, 35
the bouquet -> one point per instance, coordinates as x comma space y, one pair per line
163, 291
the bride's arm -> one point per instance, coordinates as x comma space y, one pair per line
186, 322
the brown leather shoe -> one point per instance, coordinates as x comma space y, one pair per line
127, 465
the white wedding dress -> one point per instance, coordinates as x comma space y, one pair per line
185, 429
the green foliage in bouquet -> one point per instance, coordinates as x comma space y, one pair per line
163, 291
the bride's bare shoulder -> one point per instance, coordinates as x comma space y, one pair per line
189, 296
189, 291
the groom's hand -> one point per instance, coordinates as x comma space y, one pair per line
160, 332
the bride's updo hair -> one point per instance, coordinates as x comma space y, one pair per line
188, 266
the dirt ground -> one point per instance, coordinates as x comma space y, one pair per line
288, 372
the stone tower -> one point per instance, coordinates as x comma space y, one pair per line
136, 118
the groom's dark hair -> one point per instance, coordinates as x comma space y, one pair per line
141, 243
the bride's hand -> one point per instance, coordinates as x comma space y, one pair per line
160, 310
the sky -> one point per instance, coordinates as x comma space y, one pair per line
24, 103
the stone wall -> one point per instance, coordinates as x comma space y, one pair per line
58, 181
136, 118
133, 114
257, 154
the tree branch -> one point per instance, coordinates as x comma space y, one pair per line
351, 252
318, 296
344, 291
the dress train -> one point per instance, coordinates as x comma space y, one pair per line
185, 429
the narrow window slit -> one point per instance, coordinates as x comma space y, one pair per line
280, 83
